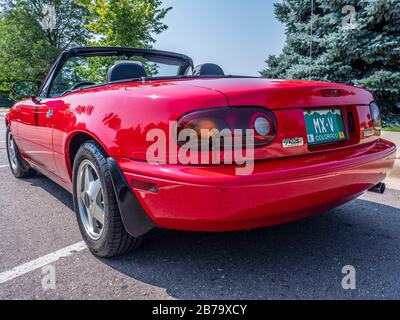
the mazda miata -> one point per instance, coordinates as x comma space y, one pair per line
90, 125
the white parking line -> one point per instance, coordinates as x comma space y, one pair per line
4, 166
41, 262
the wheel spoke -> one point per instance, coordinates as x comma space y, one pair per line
94, 189
90, 218
98, 213
82, 196
87, 175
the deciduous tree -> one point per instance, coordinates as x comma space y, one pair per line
27, 49
125, 22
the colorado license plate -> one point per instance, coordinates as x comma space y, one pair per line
324, 126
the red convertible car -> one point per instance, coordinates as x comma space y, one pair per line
88, 127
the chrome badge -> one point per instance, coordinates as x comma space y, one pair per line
293, 142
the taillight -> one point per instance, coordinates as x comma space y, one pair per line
206, 123
375, 116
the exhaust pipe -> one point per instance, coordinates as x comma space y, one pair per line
379, 188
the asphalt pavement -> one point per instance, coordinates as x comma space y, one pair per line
301, 260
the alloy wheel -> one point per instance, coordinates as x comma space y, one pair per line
90, 199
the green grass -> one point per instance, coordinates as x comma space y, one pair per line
395, 129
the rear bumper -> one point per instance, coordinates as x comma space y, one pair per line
213, 198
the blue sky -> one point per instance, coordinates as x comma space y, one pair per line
236, 34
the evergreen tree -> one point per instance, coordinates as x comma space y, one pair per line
348, 41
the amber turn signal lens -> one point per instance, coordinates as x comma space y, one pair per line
144, 186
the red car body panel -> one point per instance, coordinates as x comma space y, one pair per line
287, 184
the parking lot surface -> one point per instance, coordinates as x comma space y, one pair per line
301, 260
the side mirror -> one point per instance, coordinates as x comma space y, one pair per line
24, 88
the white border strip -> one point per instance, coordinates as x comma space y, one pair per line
41, 262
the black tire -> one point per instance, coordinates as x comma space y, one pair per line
114, 240
20, 169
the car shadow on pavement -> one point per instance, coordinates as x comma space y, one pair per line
52, 188
301, 260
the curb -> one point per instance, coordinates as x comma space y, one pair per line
395, 138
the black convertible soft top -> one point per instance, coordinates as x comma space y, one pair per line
152, 55
157, 56
165, 57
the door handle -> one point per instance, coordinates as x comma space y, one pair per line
49, 114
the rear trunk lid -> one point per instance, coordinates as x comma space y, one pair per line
284, 94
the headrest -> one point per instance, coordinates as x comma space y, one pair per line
125, 70
208, 69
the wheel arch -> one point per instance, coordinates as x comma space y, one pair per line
73, 144
135, 220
